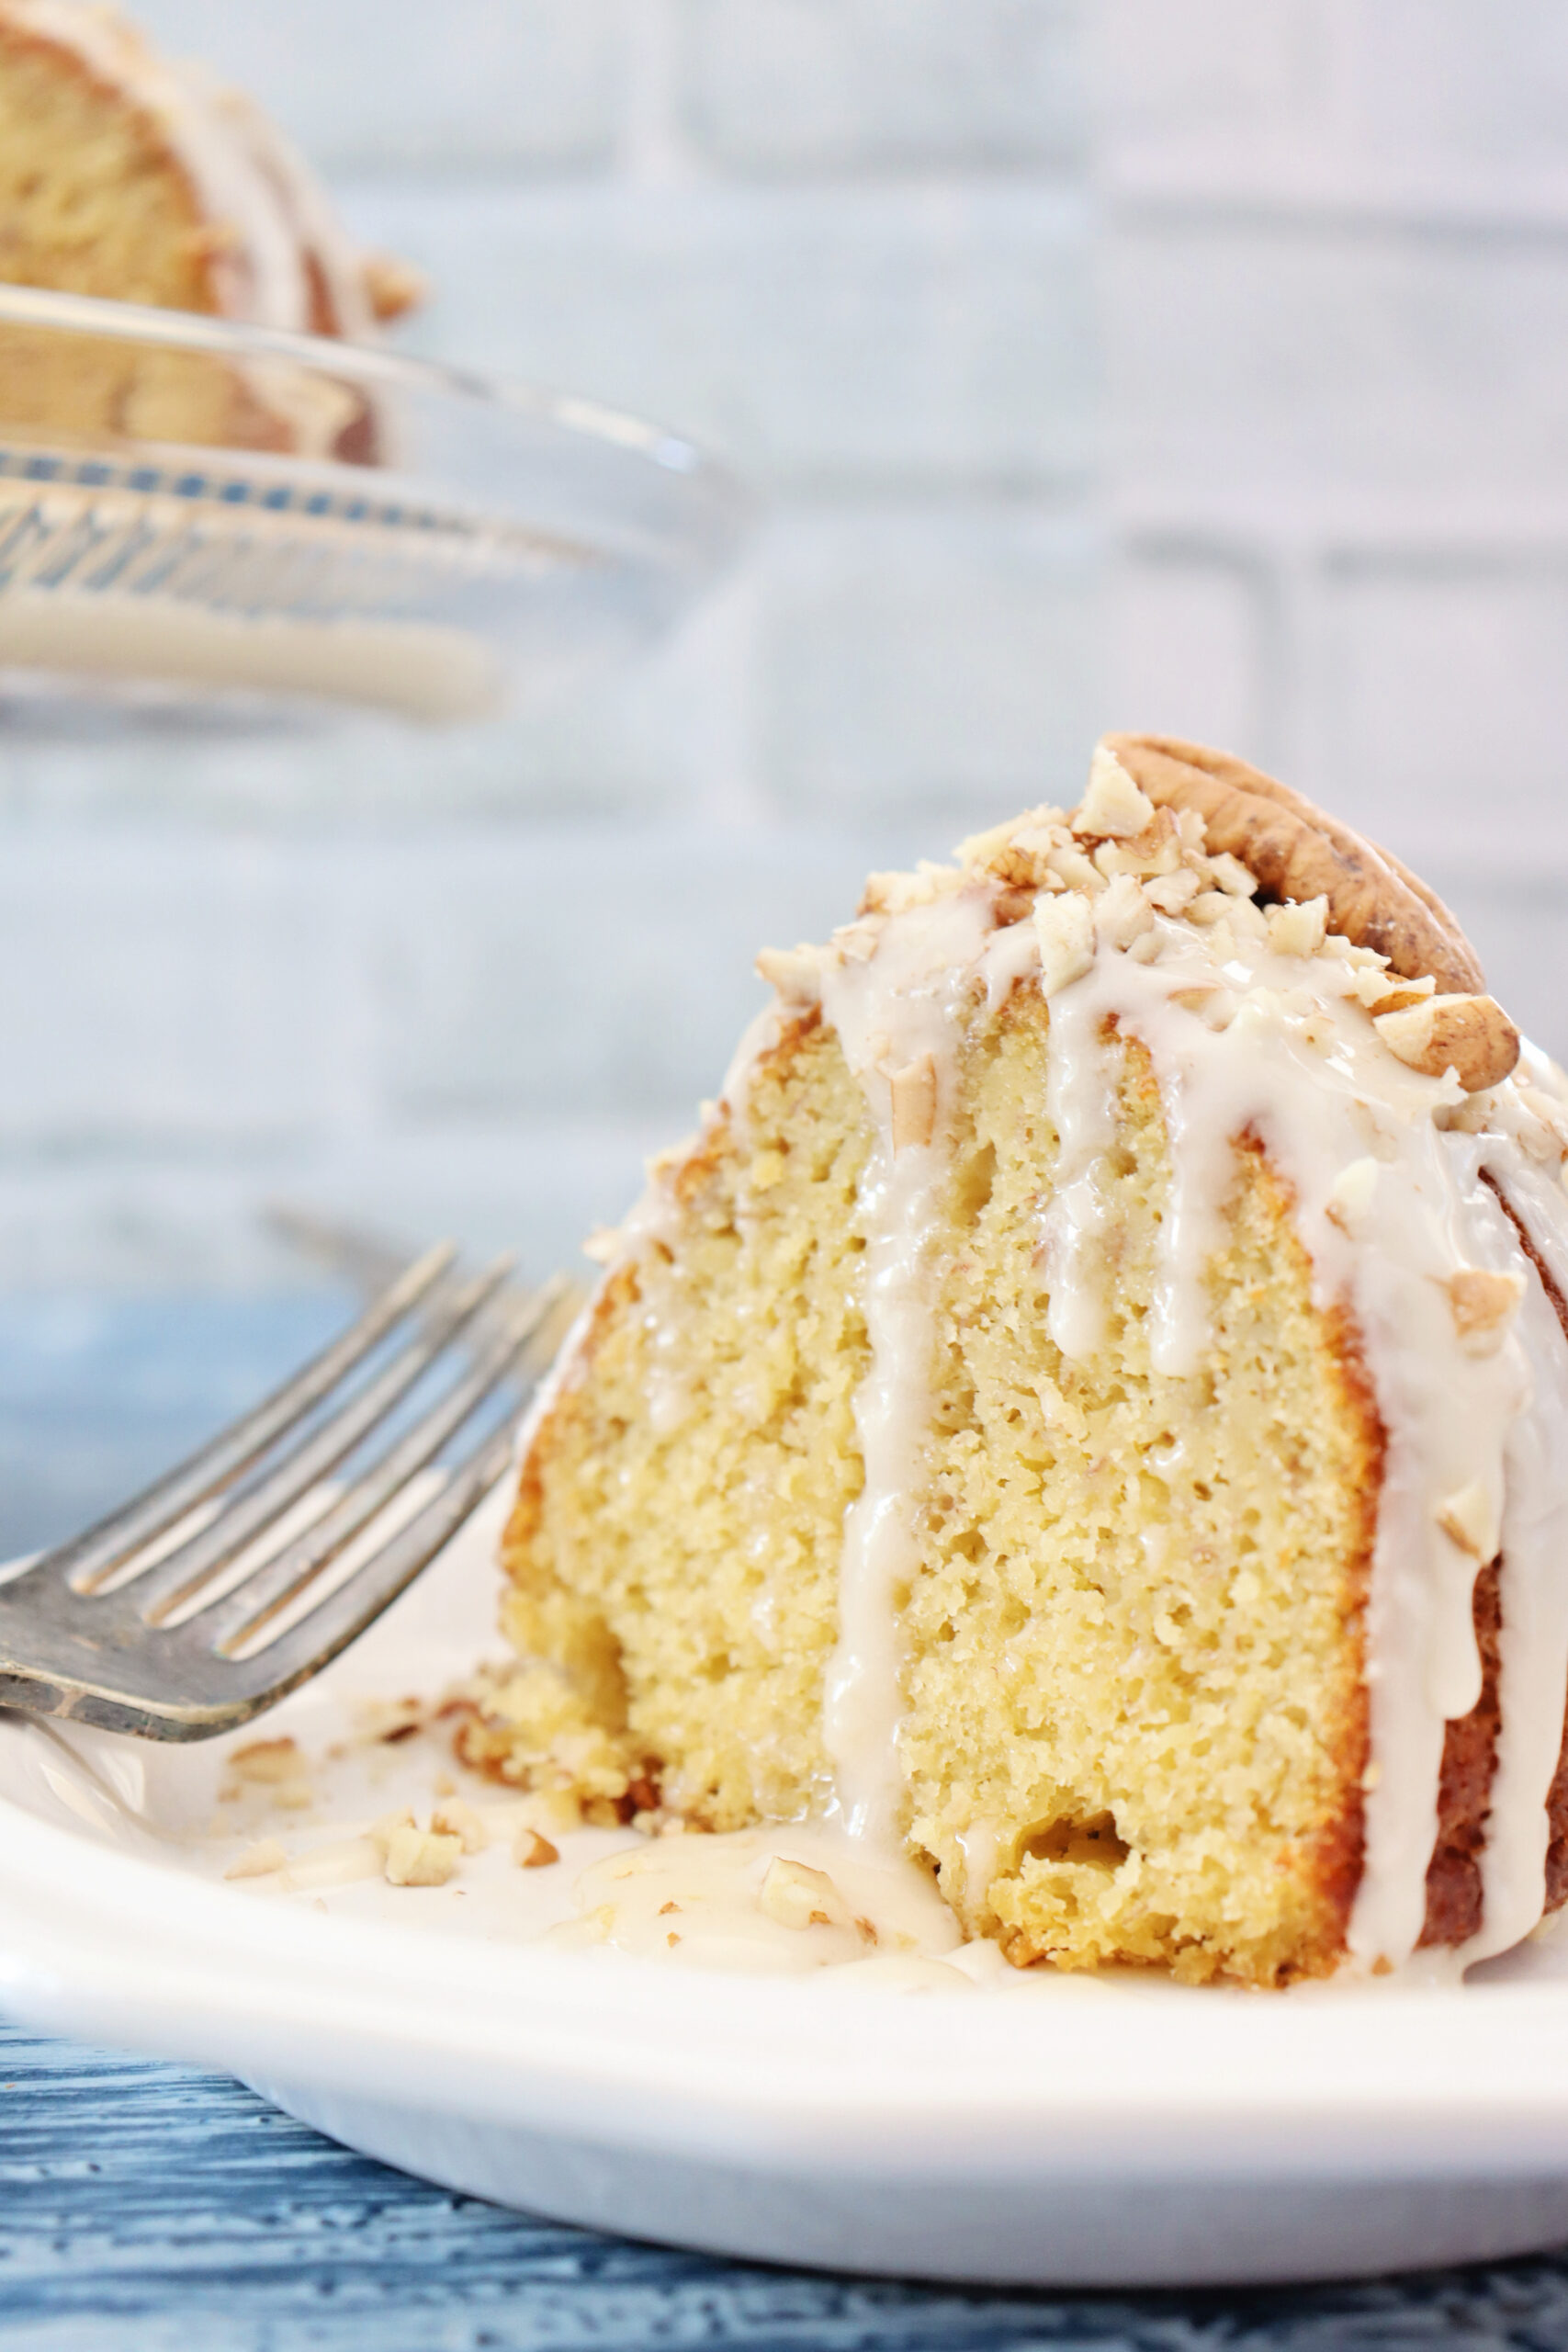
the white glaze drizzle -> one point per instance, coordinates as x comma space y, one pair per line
760, 1037
302, 199
895, 1008
1533, 1642
1080, 1103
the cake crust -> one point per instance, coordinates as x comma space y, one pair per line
1454, 1900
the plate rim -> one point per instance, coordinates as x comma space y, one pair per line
137, 1950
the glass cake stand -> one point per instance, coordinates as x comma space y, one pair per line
207, 514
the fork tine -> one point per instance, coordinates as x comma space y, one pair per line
306, 1463
89, 1558
363, 1255
238, 1616
92, 1658
317, 1639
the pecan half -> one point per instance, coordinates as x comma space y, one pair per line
1296, 851
1469, 1035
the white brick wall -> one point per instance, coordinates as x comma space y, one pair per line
508, 86
1446, 106
929, 663
1306, 363
1192, 642
480, 1025
165, 993
1184, 363
861, 335
791, 87
548, 975
1335, 274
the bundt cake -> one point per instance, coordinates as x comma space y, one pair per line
130, 175
1090, 1407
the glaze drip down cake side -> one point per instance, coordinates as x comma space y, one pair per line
1089, 1407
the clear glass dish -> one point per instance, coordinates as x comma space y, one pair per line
212, 513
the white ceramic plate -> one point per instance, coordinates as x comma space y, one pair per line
1057, 2132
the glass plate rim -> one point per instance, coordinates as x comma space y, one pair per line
374, 365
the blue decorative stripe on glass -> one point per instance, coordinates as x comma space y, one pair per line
196, 488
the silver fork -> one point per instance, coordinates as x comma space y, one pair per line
213, 1594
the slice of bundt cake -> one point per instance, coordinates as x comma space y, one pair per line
1090, 1406
144, 179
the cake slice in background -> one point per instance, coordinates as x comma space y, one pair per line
145, 179
142, 179
1090, 1409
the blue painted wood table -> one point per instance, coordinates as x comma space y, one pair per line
145, 2208
148, 2208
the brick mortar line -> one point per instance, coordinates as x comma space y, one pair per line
1224, 535
1072, 181
1172, 208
